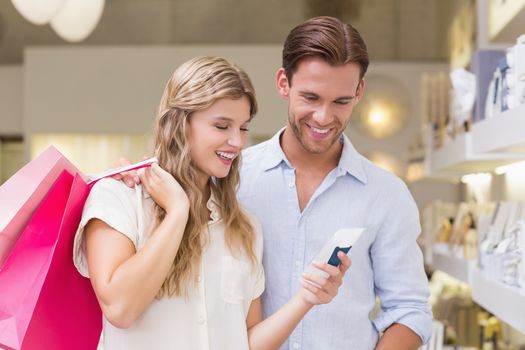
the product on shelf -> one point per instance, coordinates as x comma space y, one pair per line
502, 251
483, 64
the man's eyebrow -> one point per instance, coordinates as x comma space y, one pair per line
307, 93
337, 99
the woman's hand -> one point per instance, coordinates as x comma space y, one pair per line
321, 290
164, 189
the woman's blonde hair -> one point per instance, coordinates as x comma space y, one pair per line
195, 86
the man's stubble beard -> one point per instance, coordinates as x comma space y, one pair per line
298, 135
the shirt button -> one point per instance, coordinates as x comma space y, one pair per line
291, 184
296, 345
202, 320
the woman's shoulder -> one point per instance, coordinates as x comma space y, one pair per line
110, 185
115, 196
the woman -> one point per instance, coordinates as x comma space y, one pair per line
175, 262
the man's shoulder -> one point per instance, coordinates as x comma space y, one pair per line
381, 178
255, 151
253, 156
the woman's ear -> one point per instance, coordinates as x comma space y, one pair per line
282, 84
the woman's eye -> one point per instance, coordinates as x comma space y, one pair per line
221, 127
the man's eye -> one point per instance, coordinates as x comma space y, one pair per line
310, 97
342, 103
245, 129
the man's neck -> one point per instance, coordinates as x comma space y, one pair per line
301, 158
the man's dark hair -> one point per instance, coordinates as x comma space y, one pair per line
326, 37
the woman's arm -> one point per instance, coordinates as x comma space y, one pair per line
273, 331
125, 281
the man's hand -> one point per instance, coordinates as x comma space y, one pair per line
130, 178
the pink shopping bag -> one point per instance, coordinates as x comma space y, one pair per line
21, 194
44, 302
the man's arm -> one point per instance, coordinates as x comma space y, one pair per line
400, 281
399, 337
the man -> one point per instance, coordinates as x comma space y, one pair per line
308, 181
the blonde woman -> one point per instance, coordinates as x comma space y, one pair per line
175, 262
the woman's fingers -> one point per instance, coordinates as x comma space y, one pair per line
346, 262
317, 295
328, 285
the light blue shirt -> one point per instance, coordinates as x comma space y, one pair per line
386, 260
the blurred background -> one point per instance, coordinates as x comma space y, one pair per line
443, 109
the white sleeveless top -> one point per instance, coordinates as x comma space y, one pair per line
213, 317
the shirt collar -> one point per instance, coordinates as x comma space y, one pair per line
350, 162
275, 154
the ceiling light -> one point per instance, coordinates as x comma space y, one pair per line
38, 11
383, 110
77, 19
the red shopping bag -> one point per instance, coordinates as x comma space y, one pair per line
44, 302
21, 194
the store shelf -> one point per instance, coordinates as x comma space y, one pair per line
420, 171
458, 268
501, 133
505, 20
458, 156
505, 302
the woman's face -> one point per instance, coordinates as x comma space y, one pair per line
217, 135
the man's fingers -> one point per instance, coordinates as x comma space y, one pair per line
130, 178
123, 162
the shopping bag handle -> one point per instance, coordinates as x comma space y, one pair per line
123, 169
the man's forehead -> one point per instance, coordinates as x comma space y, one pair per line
318, 72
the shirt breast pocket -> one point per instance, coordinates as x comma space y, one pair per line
234, 280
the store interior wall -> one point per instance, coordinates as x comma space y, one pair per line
11, 100
112, 82
115, 90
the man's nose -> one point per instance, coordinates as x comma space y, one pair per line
322, 115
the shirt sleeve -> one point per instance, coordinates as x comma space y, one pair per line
111, 202
399, 277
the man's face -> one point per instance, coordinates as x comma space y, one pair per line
320, 98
